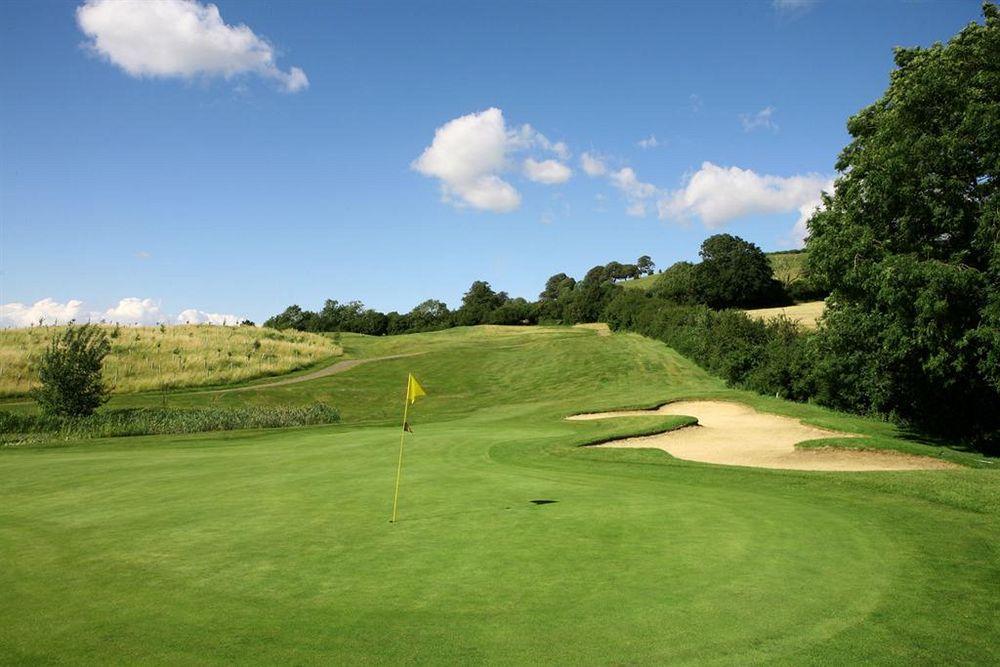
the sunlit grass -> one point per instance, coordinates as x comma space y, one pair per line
168, 357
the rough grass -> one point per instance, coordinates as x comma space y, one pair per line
155, 358
273, 547
807, 314
18, 430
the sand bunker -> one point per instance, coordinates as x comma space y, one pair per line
736, 434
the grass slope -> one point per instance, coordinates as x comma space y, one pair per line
274, 547
189, 355
788, 267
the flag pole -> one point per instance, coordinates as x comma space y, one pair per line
402, 434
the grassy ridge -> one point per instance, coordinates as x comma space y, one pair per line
274, 547
153, 358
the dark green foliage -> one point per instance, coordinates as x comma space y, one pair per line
478, 304
16, 428
515, 311
70, 372
677, 284
772, 357
910, 245
645, 265
734, 273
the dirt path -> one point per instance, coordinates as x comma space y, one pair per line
736, 434
326, 371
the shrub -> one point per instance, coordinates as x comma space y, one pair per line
70, 372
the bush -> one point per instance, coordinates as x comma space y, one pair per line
70, 372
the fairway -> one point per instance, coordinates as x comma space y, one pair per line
274, 547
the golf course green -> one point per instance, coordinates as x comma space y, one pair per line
274, 546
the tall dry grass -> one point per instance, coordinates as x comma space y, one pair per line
170, 357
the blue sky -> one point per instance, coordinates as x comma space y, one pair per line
137, 163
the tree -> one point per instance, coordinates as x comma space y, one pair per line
909, 243
734, 272
645, 265
70, 372
677, 284
429, 314
479, 303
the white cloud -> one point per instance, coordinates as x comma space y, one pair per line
696, 102
649, 142
469, 154
718, 195
593, 165
549, 172
195, 316
128, 311
132, 310
636, 192
179, 38
763, 119
46, 311
466, 155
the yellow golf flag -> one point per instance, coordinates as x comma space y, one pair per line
413, 390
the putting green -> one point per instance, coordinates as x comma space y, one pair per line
274, 547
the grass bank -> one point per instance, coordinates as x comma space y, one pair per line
171, 357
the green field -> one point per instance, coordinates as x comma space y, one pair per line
274, 547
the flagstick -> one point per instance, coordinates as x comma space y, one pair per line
402, 434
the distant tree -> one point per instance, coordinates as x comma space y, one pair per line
909, 243
553, 299
734, 273
70, 372
677, 284
597, 274
645, 265
478, 304
615, 271
247, 323
429, 314
630, 271
515, 311
292, 317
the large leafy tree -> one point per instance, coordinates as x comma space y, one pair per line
909, 243
734, 272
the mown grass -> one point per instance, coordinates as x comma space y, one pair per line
155, 358
273, 547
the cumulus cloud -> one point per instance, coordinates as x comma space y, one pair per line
636, 192
469, 154
649, 142
762, 120
179, 38
128, 311
549, 172
466, 155
46, 311
718, 195
593, 165
195, 316
133, 310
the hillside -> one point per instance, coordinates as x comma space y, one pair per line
807, 314
273, 546
153, 358
788, 267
